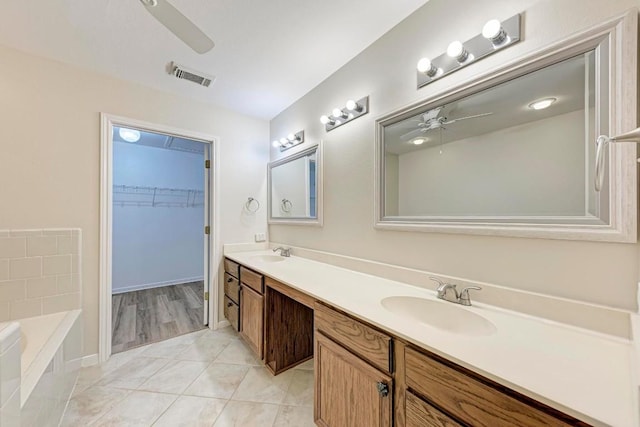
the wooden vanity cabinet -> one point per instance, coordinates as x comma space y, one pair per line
437, 392
232, 293
351, 390
252, 310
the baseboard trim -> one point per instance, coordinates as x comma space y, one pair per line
155, 285
222, 324
90, 360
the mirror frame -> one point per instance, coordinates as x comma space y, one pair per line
317, 221
620, 34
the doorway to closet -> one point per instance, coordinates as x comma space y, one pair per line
159, 238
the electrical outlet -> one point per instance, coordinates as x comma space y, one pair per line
260, 237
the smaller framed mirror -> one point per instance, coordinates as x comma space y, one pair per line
295, 188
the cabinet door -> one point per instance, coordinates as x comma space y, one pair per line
252, 319
349, 392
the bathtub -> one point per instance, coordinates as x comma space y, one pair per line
48, 350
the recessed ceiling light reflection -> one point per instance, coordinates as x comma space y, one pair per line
419, 141
542, 104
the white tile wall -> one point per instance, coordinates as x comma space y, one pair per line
40, 272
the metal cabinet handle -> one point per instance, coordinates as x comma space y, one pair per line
383, 389
229, 304
229, 280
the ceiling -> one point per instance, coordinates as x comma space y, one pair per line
267, 55
508, 104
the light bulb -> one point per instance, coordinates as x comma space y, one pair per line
426, 66
129, 135
291, 137
352, 105
324, 120
494, 32
455, 49
276, 143
338, 122
337, 113
491, 29
542, 104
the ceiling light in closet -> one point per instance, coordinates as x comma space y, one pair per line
129, 135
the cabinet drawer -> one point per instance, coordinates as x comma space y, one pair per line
476, 400
421, 414
366, 342
232, 288
232, 267
231, 312
251, 279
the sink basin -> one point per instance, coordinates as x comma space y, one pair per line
440, 314
268, 258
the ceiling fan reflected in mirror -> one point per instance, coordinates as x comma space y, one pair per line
179, 25
432, 120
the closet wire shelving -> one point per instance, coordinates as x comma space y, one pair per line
141, 196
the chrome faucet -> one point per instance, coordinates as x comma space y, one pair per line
286, 252
461, 298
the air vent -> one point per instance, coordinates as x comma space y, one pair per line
197, 77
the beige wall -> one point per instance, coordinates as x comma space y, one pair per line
499, 173
50, 158
602, 273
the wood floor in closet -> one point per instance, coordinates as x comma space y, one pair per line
150, 315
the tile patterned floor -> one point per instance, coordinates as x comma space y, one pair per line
205, 378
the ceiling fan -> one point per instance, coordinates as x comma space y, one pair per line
179, 25
430, 121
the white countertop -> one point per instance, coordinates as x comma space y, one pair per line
584, 374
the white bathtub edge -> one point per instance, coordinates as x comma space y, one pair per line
45, 355
9, 334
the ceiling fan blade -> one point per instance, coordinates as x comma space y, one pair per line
468, 117
410, 135
431, 114
179, 25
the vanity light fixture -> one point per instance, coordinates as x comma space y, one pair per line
340, 116
496, 35
129, 135
542, 103
290, 141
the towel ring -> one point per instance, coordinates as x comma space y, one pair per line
286, 205
252, 202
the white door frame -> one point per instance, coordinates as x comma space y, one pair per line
107, 121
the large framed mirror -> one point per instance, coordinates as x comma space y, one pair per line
295, 188
513, 152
